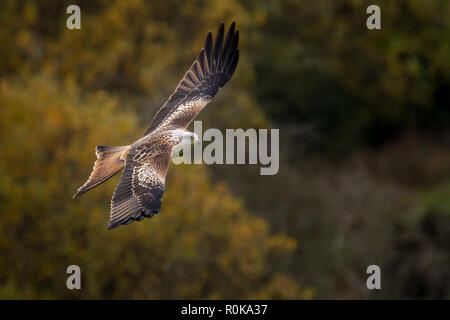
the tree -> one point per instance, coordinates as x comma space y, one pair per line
204, 244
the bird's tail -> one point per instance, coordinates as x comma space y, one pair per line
110, 160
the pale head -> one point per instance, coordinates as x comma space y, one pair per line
183, 138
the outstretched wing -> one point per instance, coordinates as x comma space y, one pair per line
139, 192
213, 68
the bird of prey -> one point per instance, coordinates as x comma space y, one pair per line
145, 162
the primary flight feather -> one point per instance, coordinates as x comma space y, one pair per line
145, 162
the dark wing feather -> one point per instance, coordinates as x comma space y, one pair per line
139, 192
211, 70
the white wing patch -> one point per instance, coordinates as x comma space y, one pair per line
192, 106
147, 176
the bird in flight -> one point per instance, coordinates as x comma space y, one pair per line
145, 162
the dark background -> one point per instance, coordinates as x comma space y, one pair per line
365, 160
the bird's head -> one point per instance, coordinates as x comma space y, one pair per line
184, 137
191, 138
187, 138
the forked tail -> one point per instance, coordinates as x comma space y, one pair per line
110, 160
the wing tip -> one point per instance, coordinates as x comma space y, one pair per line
81, 190
112, 226
218, 57
143, 214
224, 51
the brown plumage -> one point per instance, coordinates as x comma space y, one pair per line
145, 162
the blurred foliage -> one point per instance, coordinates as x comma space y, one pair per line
204, 244
321, 67
365, 164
